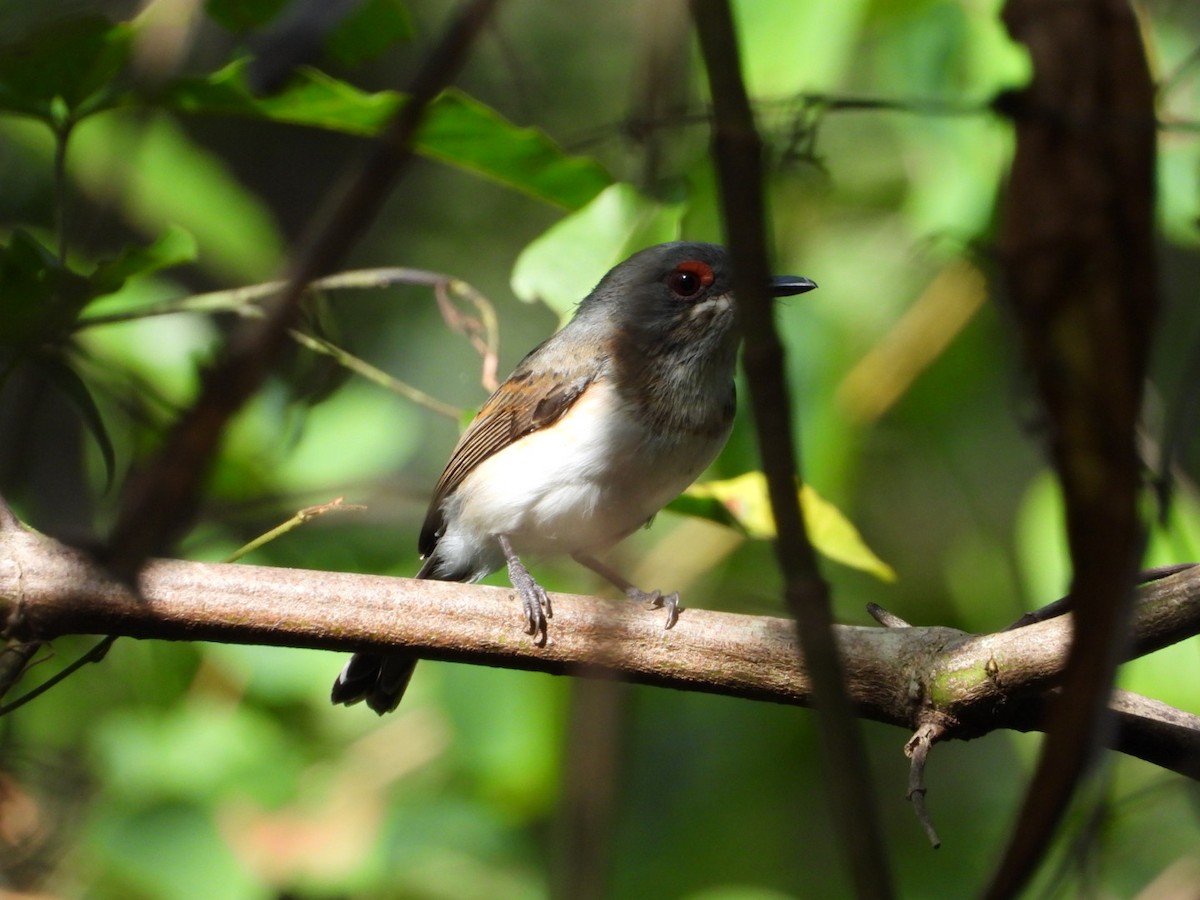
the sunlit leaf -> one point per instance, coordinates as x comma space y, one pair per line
457, 130
463, 132
562, 265
744, 501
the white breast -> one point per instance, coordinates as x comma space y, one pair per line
580, 485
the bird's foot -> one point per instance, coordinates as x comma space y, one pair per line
534, 599
658, 600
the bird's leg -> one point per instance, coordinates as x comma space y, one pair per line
534, 599
656, 599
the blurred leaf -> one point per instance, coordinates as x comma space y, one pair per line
153, 172
166, 852
72, 386
370, 30
743, 500
26, 287
200, 751
791, 47
173, 248
39, 298
457, 130
312, 98
561, 266
71, 61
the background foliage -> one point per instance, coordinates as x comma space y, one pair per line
153, 157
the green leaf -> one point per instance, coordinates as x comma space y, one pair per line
26, 286
457, 130
63, 61
72, 386
38, 296
744, 500
173, 248
563, 264
463, 132
311, 98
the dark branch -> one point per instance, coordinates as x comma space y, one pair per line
160, 500
737, 152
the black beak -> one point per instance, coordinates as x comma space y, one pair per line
791, 285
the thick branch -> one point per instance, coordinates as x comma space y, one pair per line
968, 684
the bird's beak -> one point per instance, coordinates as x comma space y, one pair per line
791, 285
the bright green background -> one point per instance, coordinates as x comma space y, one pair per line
211, 771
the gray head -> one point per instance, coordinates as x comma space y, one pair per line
676, 293
667, 323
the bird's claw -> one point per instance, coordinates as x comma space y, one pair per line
534, 599
536, 603
658, 600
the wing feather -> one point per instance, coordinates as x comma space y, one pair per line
523, 404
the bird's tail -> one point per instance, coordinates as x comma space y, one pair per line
381, 678
378, 678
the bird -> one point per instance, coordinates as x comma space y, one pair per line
596, 429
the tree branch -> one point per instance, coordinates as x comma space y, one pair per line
967, 685
159, 500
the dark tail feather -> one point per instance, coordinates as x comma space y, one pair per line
380, 679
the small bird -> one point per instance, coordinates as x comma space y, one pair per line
596, 430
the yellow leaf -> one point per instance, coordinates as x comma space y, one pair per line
832, 534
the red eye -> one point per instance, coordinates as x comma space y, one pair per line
690, 278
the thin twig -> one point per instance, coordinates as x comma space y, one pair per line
305, 515
483, 332
244, 300
97, 653
374, 374
14, 660
62, 136
917, 749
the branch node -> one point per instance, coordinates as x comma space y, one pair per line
885, 618
8, 519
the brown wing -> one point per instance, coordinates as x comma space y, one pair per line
523, 404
